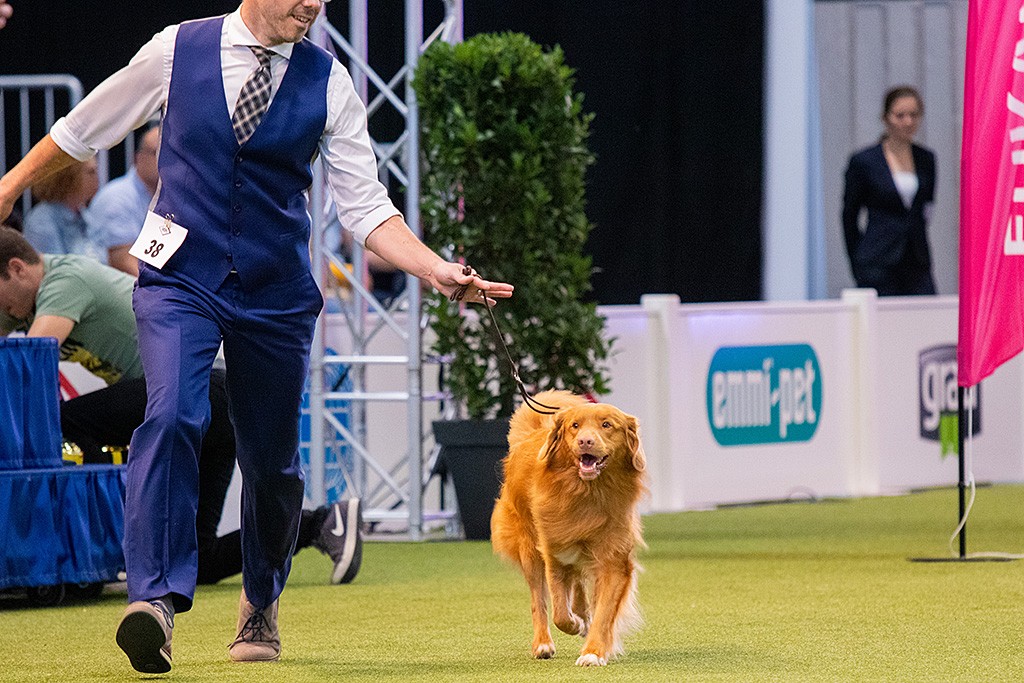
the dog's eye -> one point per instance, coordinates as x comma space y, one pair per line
606, 424
575, 425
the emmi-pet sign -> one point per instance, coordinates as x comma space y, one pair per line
764, 394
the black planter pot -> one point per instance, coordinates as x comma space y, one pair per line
472, 450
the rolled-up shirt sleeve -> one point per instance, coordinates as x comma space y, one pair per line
120, 104
361, 198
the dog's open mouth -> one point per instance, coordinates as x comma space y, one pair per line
591, 465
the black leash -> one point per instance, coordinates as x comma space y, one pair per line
534, 404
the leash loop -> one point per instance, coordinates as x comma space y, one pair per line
535, 405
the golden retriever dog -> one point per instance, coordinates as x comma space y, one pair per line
567, 515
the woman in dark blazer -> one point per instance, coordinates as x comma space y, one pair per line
895, 181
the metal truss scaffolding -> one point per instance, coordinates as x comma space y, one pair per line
393, 493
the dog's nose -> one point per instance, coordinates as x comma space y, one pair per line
585, 441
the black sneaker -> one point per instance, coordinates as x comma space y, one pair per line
341, 537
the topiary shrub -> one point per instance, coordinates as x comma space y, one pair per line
504, 143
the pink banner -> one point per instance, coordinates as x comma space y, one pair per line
992, 191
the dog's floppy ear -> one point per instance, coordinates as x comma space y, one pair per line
636, 449
547, 451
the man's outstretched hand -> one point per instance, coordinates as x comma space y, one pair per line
462, 283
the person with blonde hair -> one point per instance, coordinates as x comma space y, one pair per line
57, 224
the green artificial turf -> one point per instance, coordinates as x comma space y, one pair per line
788, 592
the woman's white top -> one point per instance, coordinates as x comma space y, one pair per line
906, 184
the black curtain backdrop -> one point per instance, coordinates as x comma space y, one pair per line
676, 89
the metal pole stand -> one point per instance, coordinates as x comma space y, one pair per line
961, 434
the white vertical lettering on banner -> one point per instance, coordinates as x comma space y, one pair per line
1013, 244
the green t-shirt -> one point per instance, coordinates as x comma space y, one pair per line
98, 299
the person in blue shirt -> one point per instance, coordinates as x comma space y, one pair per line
57, 223
118, 210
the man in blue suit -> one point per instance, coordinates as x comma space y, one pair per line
225, 259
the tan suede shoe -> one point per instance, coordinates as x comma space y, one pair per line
145, 636
258, 639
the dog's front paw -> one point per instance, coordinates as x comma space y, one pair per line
590, 659
544, 651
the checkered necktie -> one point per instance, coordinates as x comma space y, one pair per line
254, 97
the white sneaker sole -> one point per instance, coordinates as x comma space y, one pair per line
342, 567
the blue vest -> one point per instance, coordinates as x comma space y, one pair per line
244, 206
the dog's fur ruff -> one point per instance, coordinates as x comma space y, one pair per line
567, 515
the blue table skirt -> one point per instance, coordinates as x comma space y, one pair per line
29, 403
61, 525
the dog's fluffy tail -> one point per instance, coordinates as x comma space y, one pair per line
526, 420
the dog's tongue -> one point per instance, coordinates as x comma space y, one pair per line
588, 461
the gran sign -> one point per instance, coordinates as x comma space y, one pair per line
764, 394
937, 387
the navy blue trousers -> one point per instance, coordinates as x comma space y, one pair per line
267, 333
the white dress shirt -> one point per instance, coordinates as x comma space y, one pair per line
136, 93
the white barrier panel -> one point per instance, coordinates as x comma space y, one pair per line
917, 401
752, 409
761, 385
737, 402
762, 401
